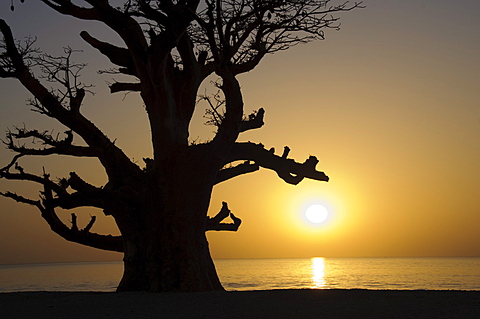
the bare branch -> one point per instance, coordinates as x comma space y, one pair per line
116, 55
287, 169
57, 146
68, 114
255, 120
73, 234
215, 223
80, 236
87, 228
41, 180
229, 129
21, 199
68, 8
85, 195
12, 162
62, 72
119, 87
74, 227
215, 114
241, 33
231, 172
90, 224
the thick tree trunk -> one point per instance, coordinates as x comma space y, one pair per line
168, 262
167, 251
164, 238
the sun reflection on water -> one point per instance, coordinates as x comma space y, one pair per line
318, 273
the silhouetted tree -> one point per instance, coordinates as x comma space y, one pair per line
171, 46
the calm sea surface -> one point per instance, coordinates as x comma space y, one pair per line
260, 274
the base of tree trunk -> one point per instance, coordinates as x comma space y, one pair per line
189, 268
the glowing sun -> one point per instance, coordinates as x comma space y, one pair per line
316, 214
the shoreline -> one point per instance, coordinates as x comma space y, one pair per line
282, 303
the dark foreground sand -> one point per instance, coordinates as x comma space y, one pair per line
303, 303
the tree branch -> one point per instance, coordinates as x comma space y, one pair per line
81, 236
85, 195
12, 162
120, 86
68, 8
73, 234
214, 223
153, 14
120, 22
60, 147
240, 33
21, 199
116, 55
44, 181
255, 120
231, 172
112, 158
229, 128
287, 169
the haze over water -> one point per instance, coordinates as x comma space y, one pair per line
263, 274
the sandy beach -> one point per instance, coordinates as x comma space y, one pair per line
303, 303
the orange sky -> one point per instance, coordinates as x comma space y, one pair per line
390, 105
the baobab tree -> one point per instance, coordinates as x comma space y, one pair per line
170, 48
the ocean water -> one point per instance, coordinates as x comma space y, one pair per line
261, 274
